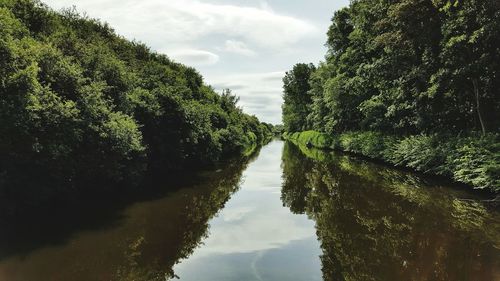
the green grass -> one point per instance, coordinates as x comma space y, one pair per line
473, 160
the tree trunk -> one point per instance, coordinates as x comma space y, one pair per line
478, 105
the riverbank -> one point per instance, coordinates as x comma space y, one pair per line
474, 161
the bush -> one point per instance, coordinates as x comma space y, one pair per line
422, 153
314, 138
370, 144
477, 161
77, 99
473, 160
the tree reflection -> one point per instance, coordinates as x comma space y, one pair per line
377, 223
142, 241
174, 236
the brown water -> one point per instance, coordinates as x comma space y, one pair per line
286, 215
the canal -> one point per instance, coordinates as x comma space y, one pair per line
287, 213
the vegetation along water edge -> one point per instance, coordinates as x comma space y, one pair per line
82, 108
474, 161
413, 83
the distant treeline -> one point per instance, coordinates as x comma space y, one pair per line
403, 68
79, 102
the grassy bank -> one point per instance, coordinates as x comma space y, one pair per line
472, 160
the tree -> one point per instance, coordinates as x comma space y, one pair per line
297, 98
470, 62
79, 103
404, 67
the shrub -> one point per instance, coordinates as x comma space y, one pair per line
476, 161
422, 153
473, 160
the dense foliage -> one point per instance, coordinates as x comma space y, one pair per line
424, 72
296, 103
79, 102
473, 161
405, 66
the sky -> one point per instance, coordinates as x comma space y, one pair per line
244, 45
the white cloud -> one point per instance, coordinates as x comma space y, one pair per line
267, 34
239, 48
161, 21
194, 57
260, 93
265, 6
255, 81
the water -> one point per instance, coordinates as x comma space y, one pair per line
254, 237
285, 215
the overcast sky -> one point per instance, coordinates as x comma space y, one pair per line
243, 45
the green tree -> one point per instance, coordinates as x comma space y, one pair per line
79, 103
470, 62
296, 97
404, 67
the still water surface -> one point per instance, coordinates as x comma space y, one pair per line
288, 214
